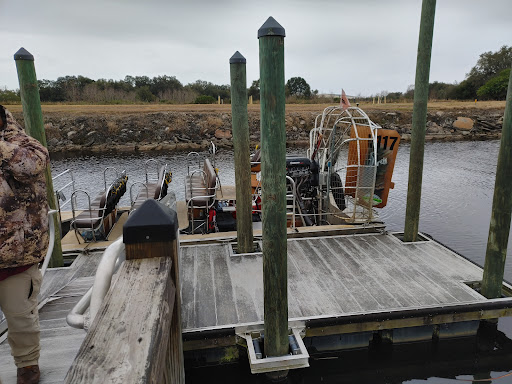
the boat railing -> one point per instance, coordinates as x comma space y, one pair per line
147, 164
193, 157
109, 264
145, 297
74, 211
51, 234
105, 175
144, 185
68, 187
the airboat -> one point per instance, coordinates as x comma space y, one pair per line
344, 176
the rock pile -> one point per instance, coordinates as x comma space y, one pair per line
194, 131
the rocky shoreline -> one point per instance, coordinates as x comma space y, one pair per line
185, 131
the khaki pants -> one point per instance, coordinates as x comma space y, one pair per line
18, 301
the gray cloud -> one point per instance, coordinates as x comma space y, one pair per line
363, 46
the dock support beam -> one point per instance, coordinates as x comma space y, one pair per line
499, 228
34, 126
419, 120
273, 175
240, 123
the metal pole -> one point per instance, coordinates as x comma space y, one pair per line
273, 174
242, 154
419, 120
34, 126
499, 228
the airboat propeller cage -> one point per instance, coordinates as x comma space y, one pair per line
346, 142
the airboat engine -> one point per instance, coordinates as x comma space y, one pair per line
304, 173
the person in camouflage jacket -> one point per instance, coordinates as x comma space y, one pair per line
23, 202
23, 241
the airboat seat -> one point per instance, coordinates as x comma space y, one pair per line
154, 191
100, 216
201, 185
92, 217
256, 161
200, 192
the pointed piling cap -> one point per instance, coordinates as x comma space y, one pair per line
237, 58
23, 54
271, 28
152, 222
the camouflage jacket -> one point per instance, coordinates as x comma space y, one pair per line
23, 204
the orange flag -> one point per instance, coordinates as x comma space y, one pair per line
344, 101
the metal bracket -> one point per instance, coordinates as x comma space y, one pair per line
298, 356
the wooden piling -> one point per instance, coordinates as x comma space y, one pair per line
240, 124
419, 120
273, 174
34, 126
136, 336
499, 228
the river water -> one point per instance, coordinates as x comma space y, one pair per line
458, 183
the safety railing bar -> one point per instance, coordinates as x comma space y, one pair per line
131, 188
104, 274
52, 241
62, 173
109, 264
67, 185
75, 317
146, 168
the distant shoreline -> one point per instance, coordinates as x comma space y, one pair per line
77, 129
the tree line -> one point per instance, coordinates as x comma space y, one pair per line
487, 80
131, 89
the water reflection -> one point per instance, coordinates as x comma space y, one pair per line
471, 359
458, 184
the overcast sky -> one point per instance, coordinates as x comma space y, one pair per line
364, 46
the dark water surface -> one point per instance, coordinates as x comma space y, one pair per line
458, 183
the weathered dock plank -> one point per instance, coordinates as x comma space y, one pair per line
328, 277
59, 342
226, 313
246, 273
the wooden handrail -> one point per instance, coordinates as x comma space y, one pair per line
136, 336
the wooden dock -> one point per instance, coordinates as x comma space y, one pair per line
352, 287
61, 290
328, 277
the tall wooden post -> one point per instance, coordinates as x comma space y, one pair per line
419, 120
273, 179
501, 210
242, 155
34, 126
